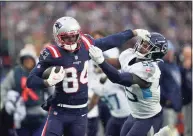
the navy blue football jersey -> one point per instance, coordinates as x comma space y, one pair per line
72, 92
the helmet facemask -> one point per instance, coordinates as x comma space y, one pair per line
69, 41
145, 49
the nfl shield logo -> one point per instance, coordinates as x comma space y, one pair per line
55, 113
76, 57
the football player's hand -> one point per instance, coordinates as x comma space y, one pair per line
144, 34
54, 77
96, 54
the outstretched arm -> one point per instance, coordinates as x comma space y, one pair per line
114, 62
114, 40
118, 39
126, 78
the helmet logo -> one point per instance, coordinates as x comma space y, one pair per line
58, 25
164, 48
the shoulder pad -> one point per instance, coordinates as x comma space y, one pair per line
87, 40
126, 56
49, 52
145, 70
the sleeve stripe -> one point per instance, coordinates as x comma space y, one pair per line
55, 53
86, 42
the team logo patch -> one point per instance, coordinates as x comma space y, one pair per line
76, 57
148, 70
44, 54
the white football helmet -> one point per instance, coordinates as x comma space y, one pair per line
66, 31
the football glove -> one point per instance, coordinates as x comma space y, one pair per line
144, 34
54, 77
96, 54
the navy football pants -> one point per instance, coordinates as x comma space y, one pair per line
92, 126
59, 124
114, 126
140, 127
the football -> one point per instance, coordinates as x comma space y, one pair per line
47, 72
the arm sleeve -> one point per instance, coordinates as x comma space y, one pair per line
114, 40
35, 80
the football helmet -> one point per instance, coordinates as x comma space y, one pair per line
66, 31
153, 48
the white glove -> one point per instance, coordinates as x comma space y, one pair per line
10, 101
96, 54
54, 77
144, 34
20, 113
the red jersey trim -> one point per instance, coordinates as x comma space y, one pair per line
54, 51
87, 42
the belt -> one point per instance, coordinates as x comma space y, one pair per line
72, 106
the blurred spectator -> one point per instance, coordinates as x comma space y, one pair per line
31, 22
33, 123
12, 114
186, 72
170, 85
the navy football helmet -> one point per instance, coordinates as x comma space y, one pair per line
155, 48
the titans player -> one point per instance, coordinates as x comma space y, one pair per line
67, 113
114, 97
140, 75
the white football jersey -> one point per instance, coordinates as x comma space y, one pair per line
144, 103
114, 96
93, 79
95, 111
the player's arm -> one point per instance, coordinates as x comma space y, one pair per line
94, 100
126, 78
114, 62
35, 80
118, 39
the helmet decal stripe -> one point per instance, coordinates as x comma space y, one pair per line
55, 53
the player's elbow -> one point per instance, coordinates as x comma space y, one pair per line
115, 80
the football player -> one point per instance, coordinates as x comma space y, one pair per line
114, 97
67, 113
140, 75
93, 115
104, 112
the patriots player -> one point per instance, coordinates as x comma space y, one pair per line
140, 75
67, 113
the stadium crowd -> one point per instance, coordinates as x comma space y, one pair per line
29, 25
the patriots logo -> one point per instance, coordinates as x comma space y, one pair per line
58, 25
44, 54
164, 48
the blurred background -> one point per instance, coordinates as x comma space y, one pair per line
29, 25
